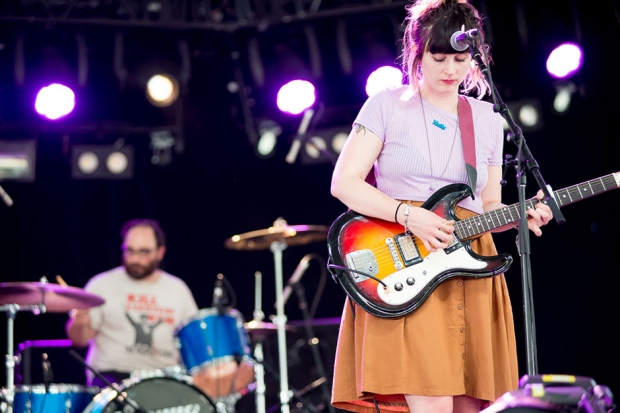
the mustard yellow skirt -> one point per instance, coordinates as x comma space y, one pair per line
460, 341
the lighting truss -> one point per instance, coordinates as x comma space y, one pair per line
216, 15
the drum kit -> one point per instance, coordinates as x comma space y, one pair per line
222, 355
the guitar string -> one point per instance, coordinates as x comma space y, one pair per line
596, 186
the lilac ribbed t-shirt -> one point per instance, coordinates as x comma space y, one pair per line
403, 170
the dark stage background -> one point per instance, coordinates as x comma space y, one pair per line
217, 187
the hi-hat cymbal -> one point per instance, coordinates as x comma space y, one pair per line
56, 298
280, 231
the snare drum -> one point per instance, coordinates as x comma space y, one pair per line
156, 394
57, 398
214, 349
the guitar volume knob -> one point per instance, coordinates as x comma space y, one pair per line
410, 281
398, 287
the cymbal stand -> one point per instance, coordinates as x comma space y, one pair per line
259, 368
11, 312
280, 321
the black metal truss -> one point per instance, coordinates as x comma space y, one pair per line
215, 15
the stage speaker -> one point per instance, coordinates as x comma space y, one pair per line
555, 393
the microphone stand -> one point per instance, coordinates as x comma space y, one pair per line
523, 159
313, 341
128, 403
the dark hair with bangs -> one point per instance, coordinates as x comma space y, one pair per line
430, 24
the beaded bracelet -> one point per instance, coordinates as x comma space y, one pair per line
406, 213
396, 213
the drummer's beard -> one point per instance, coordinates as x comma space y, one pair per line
138, 271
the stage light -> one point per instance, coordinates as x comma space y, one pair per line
565, 60
563, 97
17, 160
338, 141
162, 90
117, 162
102, 162
268, 132
296, 96
324, 145
315, 146
527, 114
88, 162
55, 101
383, 77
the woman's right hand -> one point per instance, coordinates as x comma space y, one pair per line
434, 231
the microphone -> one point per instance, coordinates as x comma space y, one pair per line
461, 40
299, 271
219, 294
303, 127
48, 376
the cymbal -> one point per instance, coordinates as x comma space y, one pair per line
261, 327
280, 231
56, 298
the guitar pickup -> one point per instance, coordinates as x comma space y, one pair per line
363, 261
408, 248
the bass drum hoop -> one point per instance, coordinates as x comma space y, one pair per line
103, 402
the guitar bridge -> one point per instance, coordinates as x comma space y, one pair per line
363, 261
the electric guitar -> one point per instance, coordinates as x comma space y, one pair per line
389, 272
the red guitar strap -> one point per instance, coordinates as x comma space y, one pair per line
466, 124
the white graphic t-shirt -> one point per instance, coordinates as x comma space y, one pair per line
136, 324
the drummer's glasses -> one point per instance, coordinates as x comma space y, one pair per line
142, 252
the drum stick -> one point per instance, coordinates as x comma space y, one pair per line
60, 281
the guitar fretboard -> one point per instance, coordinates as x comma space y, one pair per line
490, 220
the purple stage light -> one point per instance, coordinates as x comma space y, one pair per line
296, 96
564, 60
55, 101
383, 77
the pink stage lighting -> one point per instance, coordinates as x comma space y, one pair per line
296, 96
55, 101
565, 60
383, 77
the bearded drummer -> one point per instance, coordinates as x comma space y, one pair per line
134, 329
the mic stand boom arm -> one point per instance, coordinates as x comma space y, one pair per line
524, 158
122, 397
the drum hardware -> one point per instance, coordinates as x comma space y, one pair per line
259, 369
277, 238
36, 297
120, 396
313, 342
23, 356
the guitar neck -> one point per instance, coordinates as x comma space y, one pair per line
509, 214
